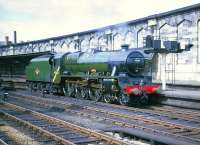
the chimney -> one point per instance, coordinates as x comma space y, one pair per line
15, 37
7, 40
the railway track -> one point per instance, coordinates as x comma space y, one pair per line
15, 132
18, 119
19, 82
165, 111
58, 131
6, 140
182, 132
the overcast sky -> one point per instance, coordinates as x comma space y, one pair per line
37, 19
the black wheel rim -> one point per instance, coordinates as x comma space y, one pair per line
144, 99
124, 99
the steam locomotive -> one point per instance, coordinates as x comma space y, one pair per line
122, 76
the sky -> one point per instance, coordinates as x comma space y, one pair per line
38, 19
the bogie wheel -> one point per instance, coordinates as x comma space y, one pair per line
95, 94
124, 99
144, 99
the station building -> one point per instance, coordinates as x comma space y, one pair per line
182, 25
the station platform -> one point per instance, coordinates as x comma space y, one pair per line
185, 93
182, 97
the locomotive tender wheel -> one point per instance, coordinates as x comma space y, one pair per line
41, 89
35, 87
124, 99
30, 86
48, 88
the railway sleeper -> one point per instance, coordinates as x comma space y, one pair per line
84, 141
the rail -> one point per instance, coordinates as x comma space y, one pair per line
91, 133
133, 121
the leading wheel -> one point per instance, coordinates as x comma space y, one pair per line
124, 99
144, 99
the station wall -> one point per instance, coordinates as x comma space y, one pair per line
183, 68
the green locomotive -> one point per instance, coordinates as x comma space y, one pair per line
123, 76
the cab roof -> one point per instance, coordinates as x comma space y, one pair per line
42, 58
48, 56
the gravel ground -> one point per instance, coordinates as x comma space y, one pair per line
88, 123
